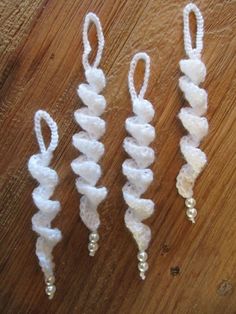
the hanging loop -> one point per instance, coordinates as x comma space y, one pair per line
193, 53
39, 115
92, 18
139, 56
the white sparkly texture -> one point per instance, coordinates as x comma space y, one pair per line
135, 169
87, 141
191, 117
38, 166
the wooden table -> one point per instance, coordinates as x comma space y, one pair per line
192, 268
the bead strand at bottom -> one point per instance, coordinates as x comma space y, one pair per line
191, 211
50, 287
93, 246
142, 265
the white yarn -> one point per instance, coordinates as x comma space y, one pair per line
191, 117
190, 51
92, 18
38, 166
135, 169
87, 141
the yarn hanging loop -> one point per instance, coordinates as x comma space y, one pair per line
43, 115
193, 53
92, 18
136, 58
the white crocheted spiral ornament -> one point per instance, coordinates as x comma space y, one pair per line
136, 168
38, 166
191, 117
87, 141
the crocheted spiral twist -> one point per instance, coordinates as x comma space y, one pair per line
87, 142
192, 117
194, 123
47, 178
136, 169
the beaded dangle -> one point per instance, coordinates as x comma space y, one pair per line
38, 166
191, 117
87, 141
135, 168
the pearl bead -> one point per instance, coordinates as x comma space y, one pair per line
50, 290
142, 256
143, 266
190, 202
142, 275
94, 237
50, 280
191, 212
92, 247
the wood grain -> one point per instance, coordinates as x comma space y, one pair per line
192, 268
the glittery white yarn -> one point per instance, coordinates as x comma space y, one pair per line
87, 141
136, 169
38, 166
191, 117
